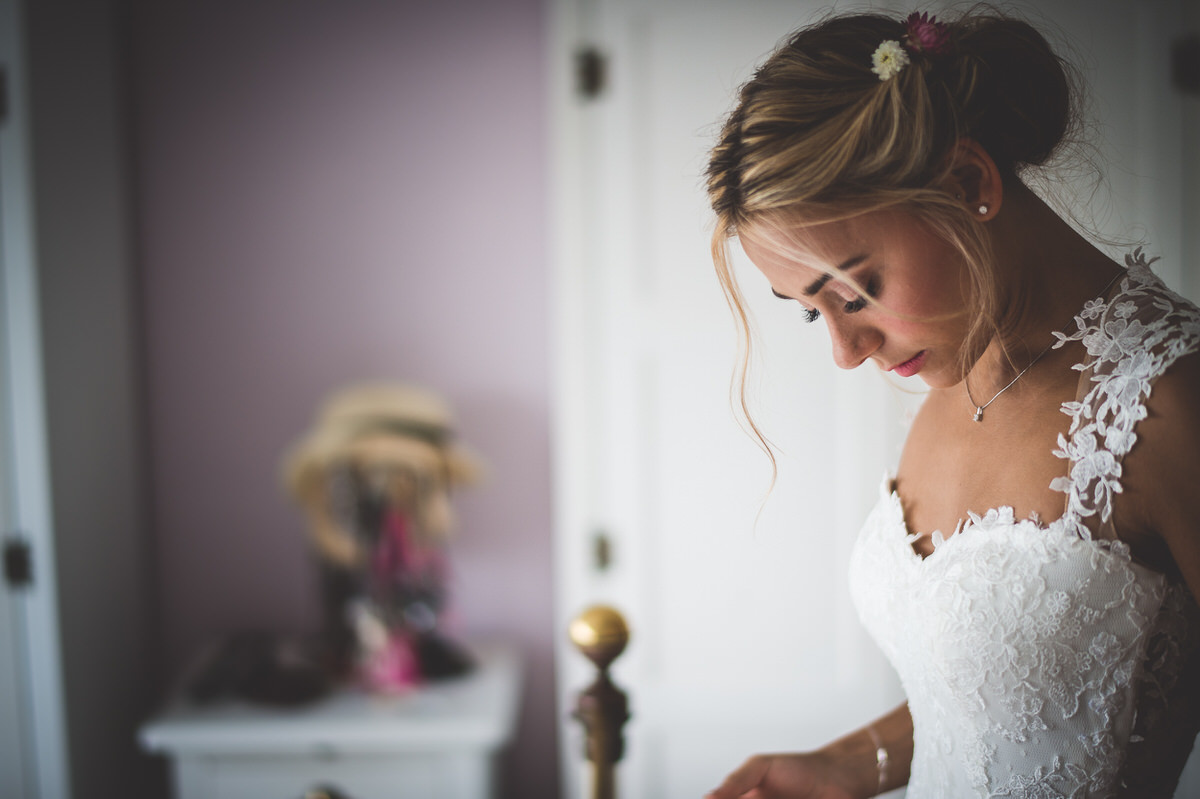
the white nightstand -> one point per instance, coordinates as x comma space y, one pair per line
438, 742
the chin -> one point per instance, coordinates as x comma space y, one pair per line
938, 380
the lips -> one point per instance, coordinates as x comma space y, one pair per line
911, 366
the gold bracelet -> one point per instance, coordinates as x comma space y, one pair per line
881, 758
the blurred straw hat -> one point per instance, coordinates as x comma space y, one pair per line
381, 423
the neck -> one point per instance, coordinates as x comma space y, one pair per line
1046, 271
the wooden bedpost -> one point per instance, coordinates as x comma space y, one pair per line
600, 633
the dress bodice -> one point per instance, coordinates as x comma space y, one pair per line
1042, 660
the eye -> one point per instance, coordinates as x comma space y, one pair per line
858, 303
809, 315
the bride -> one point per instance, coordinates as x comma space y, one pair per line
1031, 571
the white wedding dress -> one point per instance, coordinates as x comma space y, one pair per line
1042, 660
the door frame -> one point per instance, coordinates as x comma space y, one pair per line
23, 443
569, 403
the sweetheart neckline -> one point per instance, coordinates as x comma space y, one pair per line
940, 539
1115, 547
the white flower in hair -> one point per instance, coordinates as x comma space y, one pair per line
888, 59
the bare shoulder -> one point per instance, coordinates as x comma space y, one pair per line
1169, 436
1160, 472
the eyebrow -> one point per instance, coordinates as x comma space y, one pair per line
820, 282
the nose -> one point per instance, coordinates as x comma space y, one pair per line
852, 343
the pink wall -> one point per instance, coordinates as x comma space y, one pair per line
332, 192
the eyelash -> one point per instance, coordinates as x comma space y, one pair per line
853, 306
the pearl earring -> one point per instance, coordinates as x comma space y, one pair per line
983, 209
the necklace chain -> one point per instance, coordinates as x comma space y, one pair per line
979, 408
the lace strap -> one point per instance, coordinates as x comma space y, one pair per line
1131, 339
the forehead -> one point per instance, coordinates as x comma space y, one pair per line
775, 244
808, 249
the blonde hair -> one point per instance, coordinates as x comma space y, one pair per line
816, 137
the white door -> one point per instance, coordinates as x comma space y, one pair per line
33, 752
743, 638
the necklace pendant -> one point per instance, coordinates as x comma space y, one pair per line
979, 414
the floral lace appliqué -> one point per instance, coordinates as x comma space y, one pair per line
1129, 341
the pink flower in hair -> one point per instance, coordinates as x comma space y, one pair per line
925, 34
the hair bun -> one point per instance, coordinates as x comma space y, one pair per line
1015, 94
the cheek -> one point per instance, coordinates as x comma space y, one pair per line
923, 323
934, 304
943, 337
935, 280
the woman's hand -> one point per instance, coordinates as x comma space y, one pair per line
848, 768
787, 776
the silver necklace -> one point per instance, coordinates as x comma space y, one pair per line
979, 408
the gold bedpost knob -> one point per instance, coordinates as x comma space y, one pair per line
601, 634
